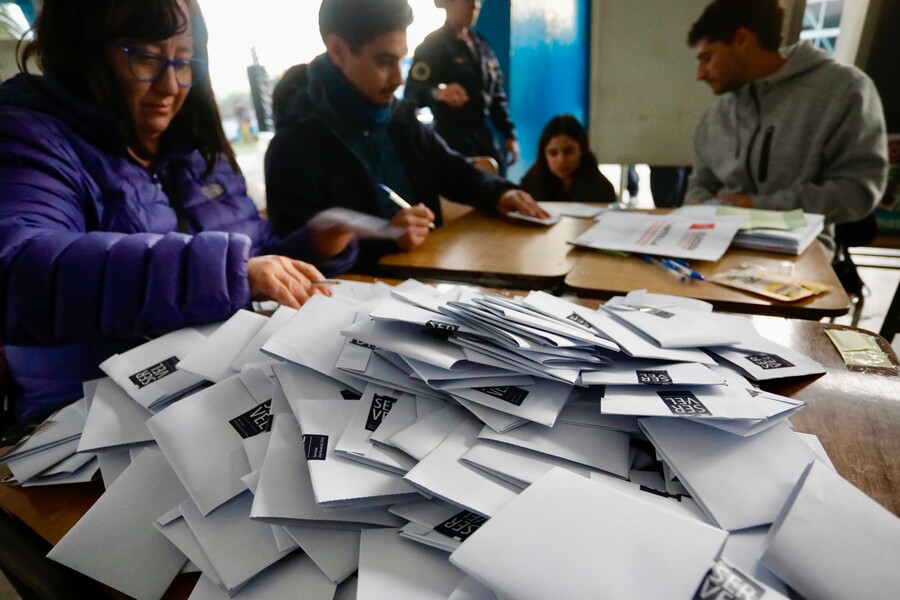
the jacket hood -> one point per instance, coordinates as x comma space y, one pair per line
43, 94
799, 58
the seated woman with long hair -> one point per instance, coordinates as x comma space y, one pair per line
566, 169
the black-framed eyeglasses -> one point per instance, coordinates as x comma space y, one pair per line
148, 67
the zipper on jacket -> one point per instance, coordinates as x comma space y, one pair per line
764, 154
747, 166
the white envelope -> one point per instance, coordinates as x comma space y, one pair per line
113, 463
636, 486
541, 402
65, 425
312, 338
252, 353
517, 466
498, 421
75, 469
776, 408
589, 415
762, 360
426, 434
335, 551
283, 580
601, 449
833, 541
674, 327
212, 358
390, 309
633, 372
285, 495
114, 419
401, 416
488, 353
336, 480
739, 482
443, 475
355, 442
744, 549
438, 524
175, 528
406, 340
116, 543
148, 372
470, 589
701, 401
396, 568
202, 435
302, 383
237, 547
588, 540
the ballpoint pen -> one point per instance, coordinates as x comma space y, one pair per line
682, 266
398, 200
655, 261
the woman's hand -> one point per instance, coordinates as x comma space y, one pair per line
415, 222
286, 281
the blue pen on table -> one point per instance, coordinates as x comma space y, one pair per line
398, 200
655, 261
682, 266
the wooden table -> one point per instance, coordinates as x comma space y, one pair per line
855, 412
491, 251
602, 275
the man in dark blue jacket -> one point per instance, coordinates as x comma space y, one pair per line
347, 135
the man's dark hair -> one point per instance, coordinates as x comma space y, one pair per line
358, 22
721, 20
71, 45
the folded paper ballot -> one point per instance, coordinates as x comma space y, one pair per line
645, 372
471, 589
601, 449
776, 408
114, 419
739, 482
743, 549
675, 327
405, 339
302, 383
296, 572
588, 540
202, 436
403, 415
148, 373
371, 410
335, 551
441, 474
437, 523
427, 433
120, 525
285, 493
175, 528
393, 567
336, 480
252, 356
762, 359
541, 402
833, 541
63, 426
702, 401
498, 421
212, 358
517, 466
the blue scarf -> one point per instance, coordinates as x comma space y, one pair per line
349, 103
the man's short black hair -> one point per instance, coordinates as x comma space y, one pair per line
358, 22
721, 20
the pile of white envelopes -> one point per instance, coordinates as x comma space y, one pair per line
419, 442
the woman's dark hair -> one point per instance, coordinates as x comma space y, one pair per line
722, 18
546, 182
71, 45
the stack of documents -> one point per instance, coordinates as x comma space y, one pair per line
445, 443
787, 232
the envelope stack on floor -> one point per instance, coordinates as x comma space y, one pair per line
415, 442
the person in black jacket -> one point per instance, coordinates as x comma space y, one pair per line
565, 168
456, 74
347, 135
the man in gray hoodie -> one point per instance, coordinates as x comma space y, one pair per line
789, 129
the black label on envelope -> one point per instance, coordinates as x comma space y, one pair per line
363, 344
315, 446
255, 421
154, 372
768, 361
461, 525
381, 406
350, 395
656, 312
724, 582
507, 393
684, 404
441, 331
575, 317
654, 378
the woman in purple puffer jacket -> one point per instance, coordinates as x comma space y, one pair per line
123, 213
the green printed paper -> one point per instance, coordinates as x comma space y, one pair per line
758, 218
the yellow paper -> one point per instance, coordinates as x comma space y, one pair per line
758, 280
858, 349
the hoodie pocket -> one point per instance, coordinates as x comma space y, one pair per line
764, 154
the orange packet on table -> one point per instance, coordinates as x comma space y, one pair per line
756, 279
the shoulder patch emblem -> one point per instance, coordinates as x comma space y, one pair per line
420, 71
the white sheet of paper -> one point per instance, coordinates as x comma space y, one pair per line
283, 580
584, 542
337, 480
744, 549
114, 419
393, 567
740, 482
762, 360
498, 421
204, 447
541, 402
148, 372
116, 543
335, 551
113, 463
285, 494
553, 219
832, 541
584, 211
674, 327
252, 353
355, 442
426, 434
175, 528
212, 358
443, 475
